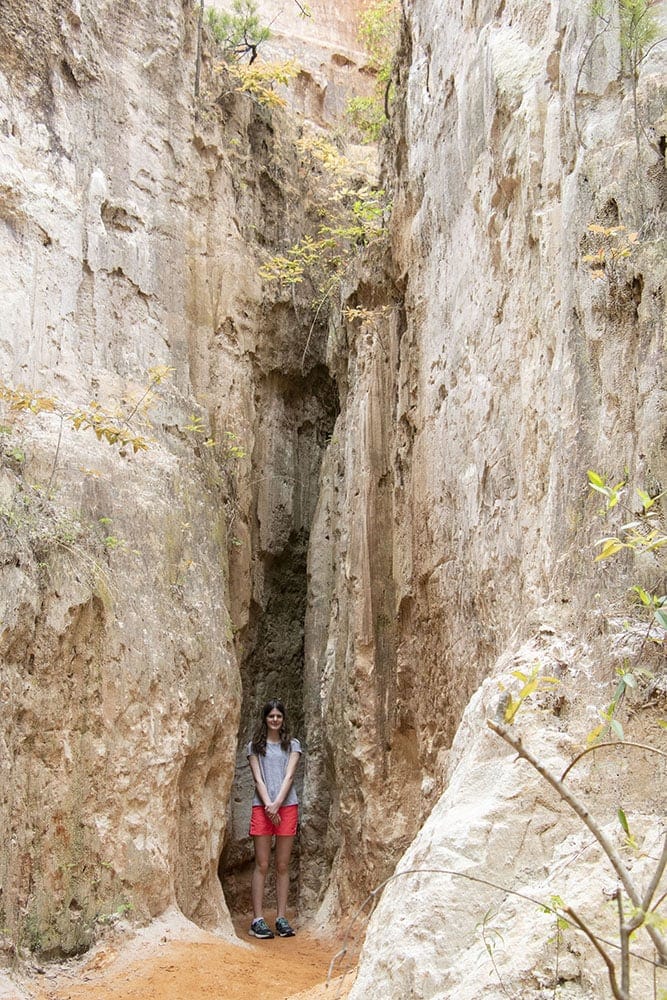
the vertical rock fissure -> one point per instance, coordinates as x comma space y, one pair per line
296, 415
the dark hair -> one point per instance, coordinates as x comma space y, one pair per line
259, 736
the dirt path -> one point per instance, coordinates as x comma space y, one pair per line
164, 966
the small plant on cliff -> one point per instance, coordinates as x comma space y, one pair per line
639, 33
378, 32
607, 247
113, 426
641, 535
260, 80
33, 517
354, 219
238, 31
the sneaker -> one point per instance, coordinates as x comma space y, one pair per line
260, 929
283, 928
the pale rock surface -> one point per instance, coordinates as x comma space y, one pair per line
438, 936
483, 372
134, 220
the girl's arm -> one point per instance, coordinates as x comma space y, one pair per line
262, 790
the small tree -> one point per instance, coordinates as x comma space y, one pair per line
239, 31
378, 32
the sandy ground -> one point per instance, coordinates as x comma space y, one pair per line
173, 960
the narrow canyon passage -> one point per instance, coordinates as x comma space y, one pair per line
386, 441
296, 420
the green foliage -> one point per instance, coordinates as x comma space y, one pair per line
260, 79
355, 219
639, 28
641, 535
367, 115
238, 31
531, 683
639, 32
233, 450
378, 32
111, 426
627, 681
630, 840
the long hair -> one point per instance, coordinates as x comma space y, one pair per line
259, 736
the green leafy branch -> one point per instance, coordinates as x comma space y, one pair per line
324, 258
238, 31
379, 26
639, 33
531, 684
643, 534
111, 426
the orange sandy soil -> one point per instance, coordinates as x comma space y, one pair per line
186, 964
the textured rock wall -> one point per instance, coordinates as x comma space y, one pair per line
485, 374
332, 65
134, 597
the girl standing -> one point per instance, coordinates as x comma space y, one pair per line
273, 757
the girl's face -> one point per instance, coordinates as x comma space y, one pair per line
274, 721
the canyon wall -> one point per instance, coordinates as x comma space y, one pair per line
380, 515
151, 599
483, 371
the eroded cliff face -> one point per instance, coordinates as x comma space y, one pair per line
152, 601
479, 380
139, 590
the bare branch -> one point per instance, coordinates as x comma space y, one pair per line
655, 881
610, 743
584, 815
595, 941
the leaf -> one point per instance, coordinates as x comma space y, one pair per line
511, 709
617, 728
629, 680
594, 479
595, 734
643, 596
623, 820
610, 546
661, 617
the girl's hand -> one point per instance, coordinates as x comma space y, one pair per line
273, 814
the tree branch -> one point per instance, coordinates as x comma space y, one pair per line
584, 815
610, 743
611, 969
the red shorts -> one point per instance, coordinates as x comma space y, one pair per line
261, 825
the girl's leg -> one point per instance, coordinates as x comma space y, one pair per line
262, 857
283, 853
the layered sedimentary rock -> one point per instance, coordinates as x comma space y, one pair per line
135, 215
479, 379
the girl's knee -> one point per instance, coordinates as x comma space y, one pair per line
262, 865
282, 867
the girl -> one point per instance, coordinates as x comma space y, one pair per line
273, 757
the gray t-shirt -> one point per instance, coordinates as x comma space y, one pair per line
273, 766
